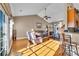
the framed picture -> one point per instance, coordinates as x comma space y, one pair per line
38, 25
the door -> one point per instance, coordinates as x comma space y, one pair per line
2, 18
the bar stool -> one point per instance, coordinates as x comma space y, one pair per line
68, 46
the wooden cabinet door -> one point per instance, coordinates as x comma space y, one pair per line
71, 17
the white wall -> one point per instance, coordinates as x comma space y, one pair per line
11, 31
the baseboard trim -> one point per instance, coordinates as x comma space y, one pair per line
19, 38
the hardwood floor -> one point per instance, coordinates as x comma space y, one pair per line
20, 44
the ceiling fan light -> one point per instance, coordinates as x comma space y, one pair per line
45, 18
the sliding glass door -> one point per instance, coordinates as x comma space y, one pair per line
1, 33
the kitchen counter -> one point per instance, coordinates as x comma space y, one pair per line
74, 36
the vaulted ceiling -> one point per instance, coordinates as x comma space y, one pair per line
24, 9
57, 11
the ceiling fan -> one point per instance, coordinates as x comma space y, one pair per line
46, 17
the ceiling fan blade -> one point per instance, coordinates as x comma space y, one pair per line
49, 17
45, 16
